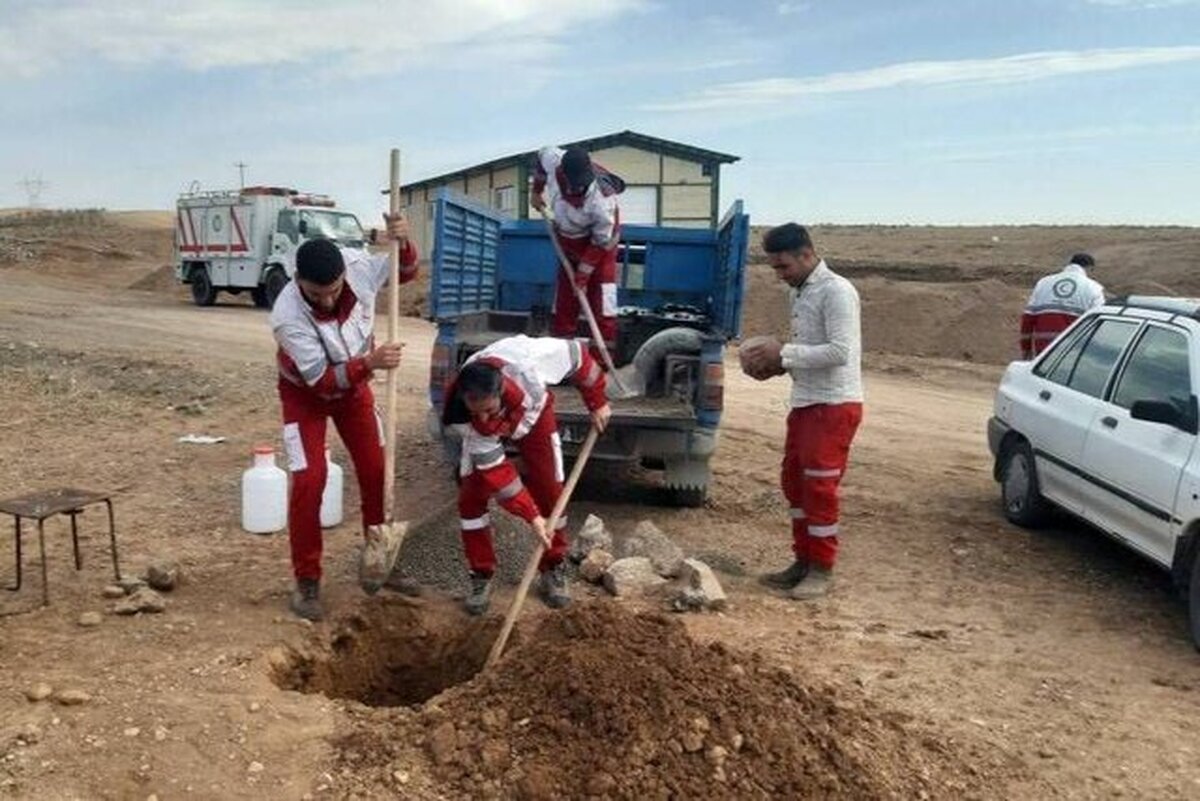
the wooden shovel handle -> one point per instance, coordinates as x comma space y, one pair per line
392, 400
531, 569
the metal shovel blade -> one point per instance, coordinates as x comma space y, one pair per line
379, 554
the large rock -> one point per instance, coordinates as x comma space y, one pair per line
703, 591
596, 565
163, 576
591, 536
144, 600
649, 541
631, 576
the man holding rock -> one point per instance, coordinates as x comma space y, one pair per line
500, 395
824, 361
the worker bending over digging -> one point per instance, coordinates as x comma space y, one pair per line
500, 395
823, 359
323, 322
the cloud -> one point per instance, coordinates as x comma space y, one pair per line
359, 36
787, 9
1024, 68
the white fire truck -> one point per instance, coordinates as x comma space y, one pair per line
246, 240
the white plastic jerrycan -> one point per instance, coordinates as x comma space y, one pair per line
264, 494
331, 497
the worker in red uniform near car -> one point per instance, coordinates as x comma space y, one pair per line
500, 395
1057, 301
323, 322
583, 198
823, 359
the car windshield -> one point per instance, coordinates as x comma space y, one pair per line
332, 225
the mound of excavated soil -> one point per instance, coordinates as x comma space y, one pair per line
971, 320
599, 702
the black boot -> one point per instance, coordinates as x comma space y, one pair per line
552, 586
480, 597
785, 579
306, 600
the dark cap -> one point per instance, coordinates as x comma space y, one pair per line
1083, 260
577, 167
319, 261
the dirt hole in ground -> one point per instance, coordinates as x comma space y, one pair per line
598, 701
389, 654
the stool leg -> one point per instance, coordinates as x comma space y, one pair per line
42, 548
75, 539
17, 548
112, 538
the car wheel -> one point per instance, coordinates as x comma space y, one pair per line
203, 291
259, 294
1019, 490
1194, 601
276, 280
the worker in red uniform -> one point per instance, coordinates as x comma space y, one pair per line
1057, 301
823, 359
500, 395
323, 322
583, 198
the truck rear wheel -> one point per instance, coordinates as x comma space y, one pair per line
275, 281
259, 295
203, 291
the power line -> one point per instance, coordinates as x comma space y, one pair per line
241, 165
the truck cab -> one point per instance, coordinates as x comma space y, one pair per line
679, 298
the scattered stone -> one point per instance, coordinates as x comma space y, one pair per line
256, 767
132, 731
89, 620
649, 541
443, 742
29, 734
591, 535
737, 741
255, 706
130, 585
692, 742
595, 565
630, 576
143, 600
400, 776
160, 734
495, 755
72, 697
113, 591
39, 692
703, 591
716, 756
163, 576
494, 720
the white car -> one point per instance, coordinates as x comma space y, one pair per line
1103, 424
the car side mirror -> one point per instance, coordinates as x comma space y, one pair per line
1165, 412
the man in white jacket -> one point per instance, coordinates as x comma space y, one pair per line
824, 360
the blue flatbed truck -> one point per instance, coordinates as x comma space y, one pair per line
679, 295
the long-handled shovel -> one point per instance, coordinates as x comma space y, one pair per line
388, 535
531, 569
620, 388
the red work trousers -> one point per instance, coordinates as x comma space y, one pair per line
601, 295
304, 422
542, 474
814, 460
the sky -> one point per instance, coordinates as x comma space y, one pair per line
842, 111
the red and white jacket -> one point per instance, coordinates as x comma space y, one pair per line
325, 353
528, 365
592, 215
1056, 302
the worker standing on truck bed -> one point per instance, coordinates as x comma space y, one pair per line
500, 395
1056, 302
824, 360
583, 197
323, 322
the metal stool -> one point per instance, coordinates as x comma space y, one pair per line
41, 505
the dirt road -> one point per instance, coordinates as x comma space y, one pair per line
1055, 651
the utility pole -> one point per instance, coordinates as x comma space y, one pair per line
33, 188
241, 165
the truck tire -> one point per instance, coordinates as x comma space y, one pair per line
689, 497
273, 284
203, 291
1019, 489
259, 296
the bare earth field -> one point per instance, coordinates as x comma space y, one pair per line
959, 656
